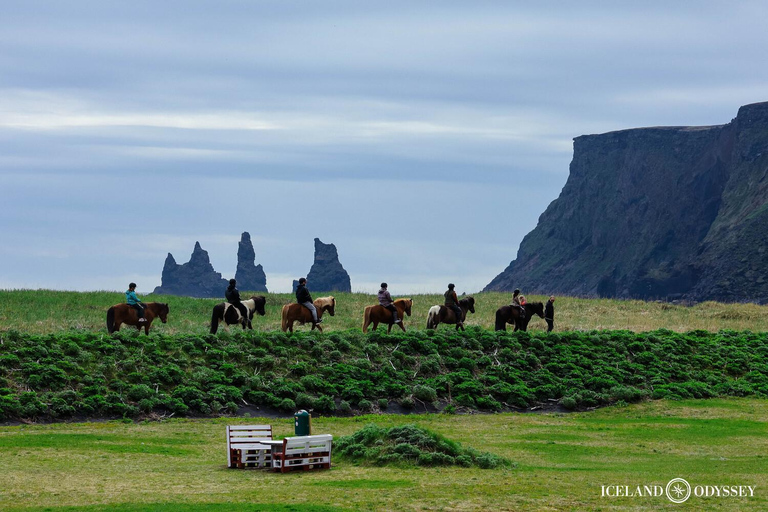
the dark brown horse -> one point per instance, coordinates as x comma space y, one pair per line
379, 314
298, 313
445, 315
124, 314
230, 314
511, 315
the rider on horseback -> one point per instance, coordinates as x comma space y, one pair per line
452, 302
134, 302
518, 301
385, 299
305, 299
233, 297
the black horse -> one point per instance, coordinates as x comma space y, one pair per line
511, 315
445, 315
230, 314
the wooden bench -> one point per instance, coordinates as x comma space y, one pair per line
303, 452
244, 446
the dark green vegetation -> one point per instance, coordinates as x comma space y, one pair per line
410, 444
82, 374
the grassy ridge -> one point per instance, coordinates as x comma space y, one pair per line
97, 375
45, 311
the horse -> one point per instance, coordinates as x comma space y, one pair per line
379, 314
511, 314
298, 313
230, 314
125, 314
445, 315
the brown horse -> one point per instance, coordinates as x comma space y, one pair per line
379, 314
230, 314
511, 314
298, 313
124, 314
445, 315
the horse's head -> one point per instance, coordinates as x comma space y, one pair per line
536, 307
327, 304
259, 301
407, 303
163, 312
469, 302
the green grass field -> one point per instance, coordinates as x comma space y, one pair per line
45, 311
563, 460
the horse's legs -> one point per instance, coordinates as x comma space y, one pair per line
402, 325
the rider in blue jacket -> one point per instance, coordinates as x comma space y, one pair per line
134, 302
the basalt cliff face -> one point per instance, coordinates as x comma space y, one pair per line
673, 212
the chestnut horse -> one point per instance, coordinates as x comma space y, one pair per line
445, 315
298, 313
511, 314
124, 314
379, 314
230, 314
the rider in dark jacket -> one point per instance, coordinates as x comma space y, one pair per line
305, 299
549, 313
233, 297
452, 302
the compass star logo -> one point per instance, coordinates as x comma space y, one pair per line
678, 490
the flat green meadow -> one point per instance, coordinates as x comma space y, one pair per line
562, 462
47, 311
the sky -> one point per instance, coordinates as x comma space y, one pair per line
423, 139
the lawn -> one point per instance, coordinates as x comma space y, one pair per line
562, 462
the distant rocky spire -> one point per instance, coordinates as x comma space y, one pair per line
327, 274
249, 276
196, 278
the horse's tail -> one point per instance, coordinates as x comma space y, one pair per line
366, 318
434, 312
284, 323
215, 319
501, 322
111, 320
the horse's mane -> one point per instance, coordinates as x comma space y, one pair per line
403, 300
467, 300
325, 301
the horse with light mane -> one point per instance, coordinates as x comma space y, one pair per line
297, 313
379, 314
124, 314
445, 315
511, 314
231, 314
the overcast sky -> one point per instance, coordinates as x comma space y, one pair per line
424, 139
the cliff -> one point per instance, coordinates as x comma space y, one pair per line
674, 212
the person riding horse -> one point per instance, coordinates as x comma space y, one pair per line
385, 299
518, 301
132, 300
305, 299
452, 302
233, 297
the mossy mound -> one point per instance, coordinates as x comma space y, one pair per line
411, 445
